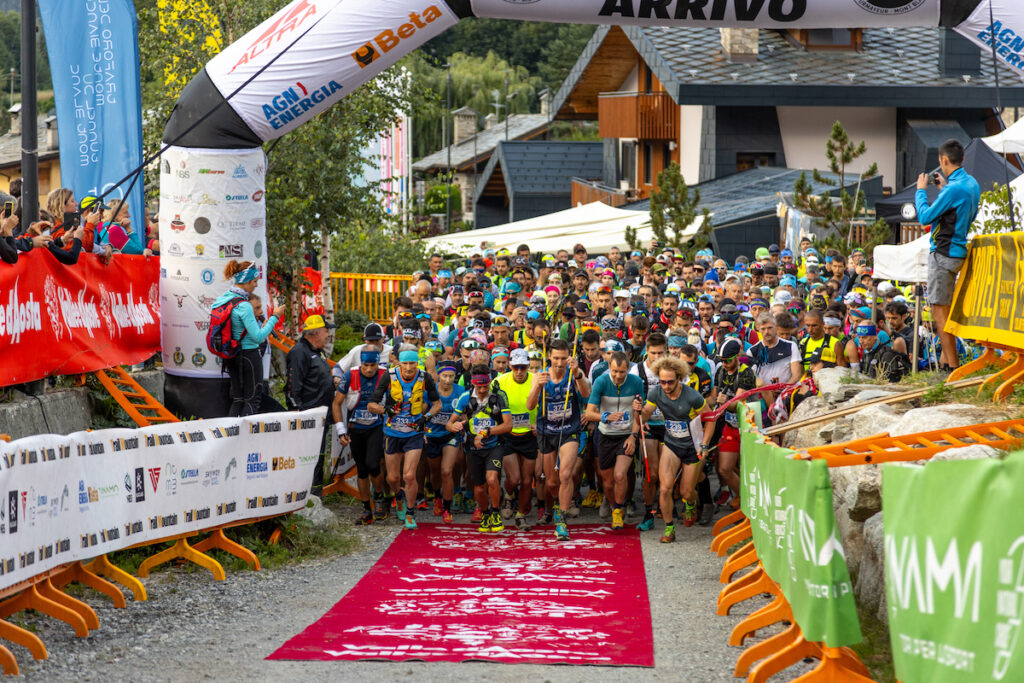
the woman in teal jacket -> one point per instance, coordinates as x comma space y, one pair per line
245, 369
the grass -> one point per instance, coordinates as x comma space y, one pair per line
876, 648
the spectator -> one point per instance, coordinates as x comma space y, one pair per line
8, 248
268, 404
246, 369
950, 218
120, 232
63, 213
16, 185
309, 383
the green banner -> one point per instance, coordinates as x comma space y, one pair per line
954, 569
789, 505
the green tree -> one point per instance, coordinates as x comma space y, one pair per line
674, 209
840, 214
994, 212
559, 56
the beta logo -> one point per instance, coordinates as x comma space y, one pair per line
389, 39
280, 464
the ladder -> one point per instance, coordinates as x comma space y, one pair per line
136, 401
884, 448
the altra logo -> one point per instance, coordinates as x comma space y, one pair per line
387, 40
287, 22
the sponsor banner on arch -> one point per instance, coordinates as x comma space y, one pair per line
1007, 31
720, 13
73, 497
988, 304
322, 50
954, 581
65, 320
793, 524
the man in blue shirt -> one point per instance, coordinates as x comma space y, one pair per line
950, 218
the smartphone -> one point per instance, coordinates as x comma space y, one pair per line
8, 209
71, 219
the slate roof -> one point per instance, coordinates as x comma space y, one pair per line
519, 126
543, 167
748, 194
896, 67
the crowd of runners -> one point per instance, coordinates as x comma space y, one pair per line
520, 388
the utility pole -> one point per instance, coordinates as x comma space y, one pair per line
448, 186
507, 110
29, 136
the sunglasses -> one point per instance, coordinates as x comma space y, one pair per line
698, 269
406, 314
498, 321
666, 382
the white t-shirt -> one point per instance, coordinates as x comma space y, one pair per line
772, 365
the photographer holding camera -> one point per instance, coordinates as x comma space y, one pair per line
950, 217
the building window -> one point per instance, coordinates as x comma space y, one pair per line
648, 165
627, 164
829, 38
666, 156
648, 79
745, 160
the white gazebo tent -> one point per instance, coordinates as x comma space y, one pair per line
596, 226
1009, 141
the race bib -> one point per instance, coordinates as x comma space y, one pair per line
623, 424
558, 412
677, 429
403, 423
482, 423
657, 416
363, 417
441, 419
520, 420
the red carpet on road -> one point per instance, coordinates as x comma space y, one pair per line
449, 593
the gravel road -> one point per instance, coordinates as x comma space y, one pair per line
193, 627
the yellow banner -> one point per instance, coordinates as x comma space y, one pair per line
988, 304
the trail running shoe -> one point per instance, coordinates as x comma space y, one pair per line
617, 519
379, 511
544, 517
606, 508
689, 514
367, 518
422, 504
559, 517
410, 522
735, 503
400, 508
506, 507
446, 517
722, 497
485, 524
457, 501
478, 516
521, 522
670, 534
561, 531
468, 504
497, 526
574, 510
707, 514
438, 506
647, 524
591, 500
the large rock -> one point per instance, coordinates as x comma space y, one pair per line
860, 489
57, 412
830, 381
875, 419
978, 452
934, 418
807, 436
870, 586
316, 513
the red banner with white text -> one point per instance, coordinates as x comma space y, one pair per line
65, 320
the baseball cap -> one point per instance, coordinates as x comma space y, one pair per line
89, 202
373, 332
518, 357
731, 347
761, 253
613, 345
783, 297
788, 280
658, 268
773, 249
445, 273
621, 294
786, 252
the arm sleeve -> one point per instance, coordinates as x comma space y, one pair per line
8, 252
430, 388
926, 215
382, 387
68, 257
252, 327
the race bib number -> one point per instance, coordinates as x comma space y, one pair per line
441, 419
482, 423
363, 417
559, 412
520, 420
623, 424
731, 420
677, 429
403, 423
657, 416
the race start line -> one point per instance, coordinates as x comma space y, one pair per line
447, 593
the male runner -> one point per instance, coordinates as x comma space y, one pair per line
654, 428
610, 405
441, 446
559, 392
362, 430
732, 378
401, 394
521, 442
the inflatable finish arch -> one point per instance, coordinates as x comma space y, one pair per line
311, 54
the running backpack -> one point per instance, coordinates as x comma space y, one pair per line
218, 336
494, 406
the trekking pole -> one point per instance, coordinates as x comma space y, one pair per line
643, 443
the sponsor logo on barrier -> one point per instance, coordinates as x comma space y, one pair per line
226, 508
207, 276
257, 502
387, 40
232, 225
191, 437
211, 171
140, 484
154, 477
230, 469
258, 249
170, 480
163, 273
889, 7
257, 195
179, 277
239, 172
291, 20
133, 528
177, 225
283, 463
202, 225
235, 198
205, 301
18, 317
293, 103
264, 427
181, 298
255, 466
128, 486
231, 251
295, 496
777, 10
197, 515
199, 358
211, 477
225, 432
207, 200
189, 476
159, 440
202, 325
258, 223
118, 445
12, 512
174, 249
178, 357
161, 521
296, 424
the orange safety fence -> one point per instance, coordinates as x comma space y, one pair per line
372, 294
733, 538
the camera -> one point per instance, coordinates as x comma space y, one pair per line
936, 178
72, 219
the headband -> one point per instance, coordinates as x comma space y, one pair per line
480, 380
866, 330
369, 357
248, 275
409, 357
447, 366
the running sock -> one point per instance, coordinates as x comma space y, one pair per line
704, 492
448, 505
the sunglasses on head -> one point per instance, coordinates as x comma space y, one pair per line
499, 320
406, 314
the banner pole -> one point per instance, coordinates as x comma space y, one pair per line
917, 327
29, 134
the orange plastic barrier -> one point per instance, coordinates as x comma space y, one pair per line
372, 294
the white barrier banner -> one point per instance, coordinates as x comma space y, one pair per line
720, 13
321, 50
74, 497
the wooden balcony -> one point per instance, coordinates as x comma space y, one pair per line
645, 116
587, 191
